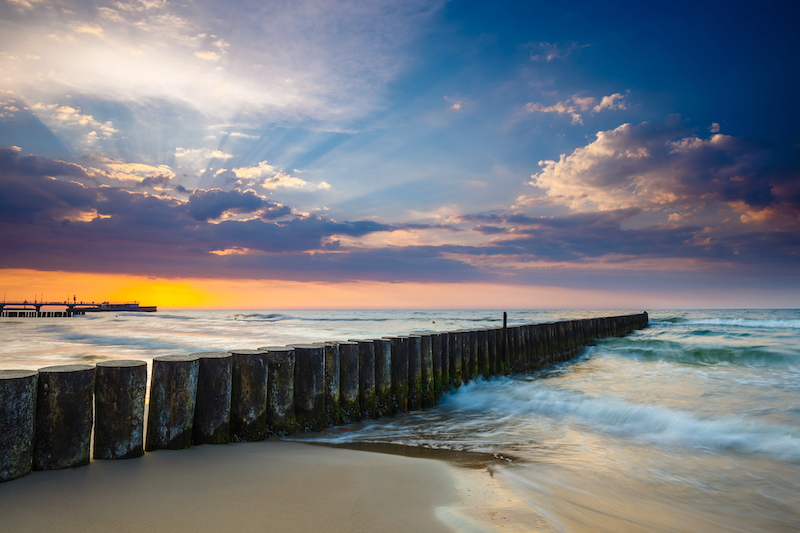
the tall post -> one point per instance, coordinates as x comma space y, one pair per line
383, 376
17, 415
248, 396
212, 412
280, 391
366, 380
119, 389
309, 387
505, 342
349, 406
173, 396
332, 383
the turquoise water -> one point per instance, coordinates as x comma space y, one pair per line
692, 424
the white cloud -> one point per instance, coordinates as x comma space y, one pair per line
207, 56
714, 127
137, 171
60, 117
643, 166
610, 102
275, 179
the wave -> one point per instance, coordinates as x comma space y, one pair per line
502, 416
647, 423
139, 342
756, 323
675, 352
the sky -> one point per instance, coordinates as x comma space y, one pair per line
376, 154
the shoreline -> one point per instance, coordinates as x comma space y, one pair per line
273, 484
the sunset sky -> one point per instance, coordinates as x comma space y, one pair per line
407, 154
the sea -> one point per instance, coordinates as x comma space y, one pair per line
689, 425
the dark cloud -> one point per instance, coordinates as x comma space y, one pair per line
207, 205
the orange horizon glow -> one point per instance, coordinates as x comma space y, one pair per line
211, 293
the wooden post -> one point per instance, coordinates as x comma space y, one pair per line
212, 412
454, 342
281, 419
437, 362
63, 417
332, 383
349, 403
383, 376
248, 396
414, 372
119, 390
173, 395
17, 415
399, 375
482, 353
428, 385
366, 380
309, 387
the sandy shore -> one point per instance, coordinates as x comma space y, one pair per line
263, 486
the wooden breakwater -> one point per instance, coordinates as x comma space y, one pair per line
47, 417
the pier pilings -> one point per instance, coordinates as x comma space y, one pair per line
245, 395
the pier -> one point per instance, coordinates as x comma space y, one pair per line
35, 309
47, 417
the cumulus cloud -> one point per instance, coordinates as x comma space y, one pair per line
273, 178
63, 116
577, 103
652, 166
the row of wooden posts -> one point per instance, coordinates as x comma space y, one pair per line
46, 417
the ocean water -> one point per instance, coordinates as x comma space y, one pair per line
692, 424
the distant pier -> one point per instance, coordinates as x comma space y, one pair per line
27, 309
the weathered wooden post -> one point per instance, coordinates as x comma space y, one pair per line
399, 375
173, 395
309, 386
454, 342
436, 362
281, 419
482, 353
465, 338
505, 346
63, 417
414, 372
119, 389
491, 352
426, 359
333, 376
366, 380
17, 416
212, 411
248, 396
349, 408
383, 376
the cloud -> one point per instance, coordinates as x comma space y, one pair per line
207, 56
651, 166
579, 103
543, 51
610, 102
273, 178
60, 117
212, 204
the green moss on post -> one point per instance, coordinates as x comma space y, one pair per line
491, 352
465, 338
332, 383
309, 387
119, 389
173, 395
248, 396
212, 411
366, 380
414, 373
454, 341
399, 375
383, 376
281, 420
436, 362
426, 360
63, 417
349, 402
482, 352
17, 416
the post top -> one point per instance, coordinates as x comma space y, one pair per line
121, 363
211, 355
17, 374
65, 368
247, 352
177, 358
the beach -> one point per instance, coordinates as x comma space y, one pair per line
689, 425
263, 486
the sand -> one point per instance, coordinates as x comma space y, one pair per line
263, 486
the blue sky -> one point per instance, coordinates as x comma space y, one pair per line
616, 144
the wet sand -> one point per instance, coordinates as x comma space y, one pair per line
266, 486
